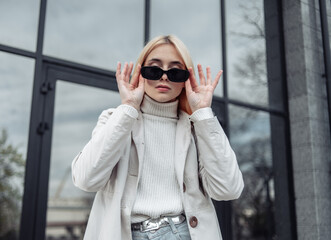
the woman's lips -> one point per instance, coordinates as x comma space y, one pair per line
163, 88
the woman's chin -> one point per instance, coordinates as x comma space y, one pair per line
162, 98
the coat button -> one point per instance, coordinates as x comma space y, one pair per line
193, 222
184, 187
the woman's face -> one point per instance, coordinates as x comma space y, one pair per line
164, 56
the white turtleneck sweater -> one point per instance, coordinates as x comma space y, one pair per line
158, 190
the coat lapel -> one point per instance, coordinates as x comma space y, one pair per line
183, 137
138, 137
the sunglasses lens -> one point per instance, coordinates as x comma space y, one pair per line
174, 74
178, 75
151, 73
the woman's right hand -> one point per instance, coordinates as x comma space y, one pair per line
132, 92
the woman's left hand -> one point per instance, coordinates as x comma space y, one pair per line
200, 96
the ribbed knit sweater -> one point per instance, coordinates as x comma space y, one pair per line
158, 190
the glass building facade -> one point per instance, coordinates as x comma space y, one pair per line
57, 73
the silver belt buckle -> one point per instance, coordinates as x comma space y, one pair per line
149, 225
176, 219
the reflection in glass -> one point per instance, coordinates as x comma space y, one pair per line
76, 113
16, 78
98, 33
197, 24
253, 212
247, 75
19, 23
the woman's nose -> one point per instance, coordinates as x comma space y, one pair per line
164, 77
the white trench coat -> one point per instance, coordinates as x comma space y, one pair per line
110, 164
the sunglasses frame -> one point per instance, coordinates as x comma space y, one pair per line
168, 72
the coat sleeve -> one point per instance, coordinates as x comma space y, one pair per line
92, 167
218, 167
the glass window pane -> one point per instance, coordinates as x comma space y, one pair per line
98, 33
247, 74
19, 23
253, 212
69, 207
16, 74
197, 24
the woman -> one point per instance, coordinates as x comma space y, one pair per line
157, 159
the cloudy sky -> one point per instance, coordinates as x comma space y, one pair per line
100, 33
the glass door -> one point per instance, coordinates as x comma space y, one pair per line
68, 100
76, 112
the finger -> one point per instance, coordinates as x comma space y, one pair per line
125, 70
192, 79
188, 88
208, 75
118, 70
141, 83
201, 75
129, 70
135, 78
217, 78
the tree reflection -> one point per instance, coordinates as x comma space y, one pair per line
254, 213
11, 177
250, 69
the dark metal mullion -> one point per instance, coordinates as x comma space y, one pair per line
64, 64
30, 199
256, 107
82, 77
224, 63
45, 156
147, 21
287, 132
223, 209
17, 51
35, 144
326, 48
285, 222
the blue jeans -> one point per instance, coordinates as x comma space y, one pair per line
170, 232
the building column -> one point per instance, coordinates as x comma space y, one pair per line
309, 123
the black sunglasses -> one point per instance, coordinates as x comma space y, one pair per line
174, 74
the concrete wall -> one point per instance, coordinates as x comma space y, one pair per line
309, 123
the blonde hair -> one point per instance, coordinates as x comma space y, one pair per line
183, 52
